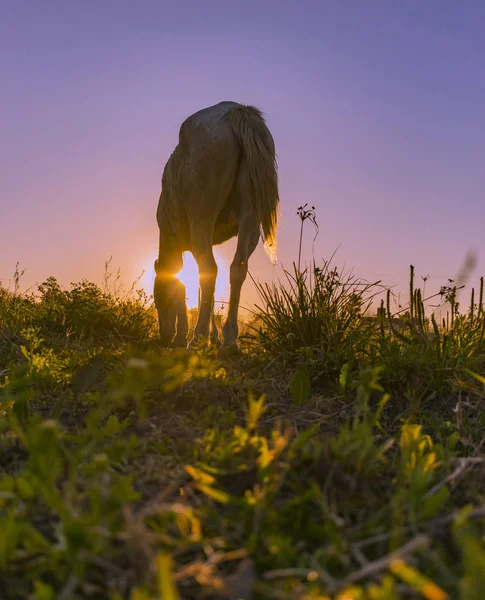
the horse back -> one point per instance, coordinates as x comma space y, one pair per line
201, 172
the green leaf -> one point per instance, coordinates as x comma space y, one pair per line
112, 426
255, 410
166, 587
478, 377
7, 483
300, 386
303, 438
9, 538
453, 440
217, 495
24, 488
199, 475
344, 376
416, 580
43, 591
473, 553
431, 505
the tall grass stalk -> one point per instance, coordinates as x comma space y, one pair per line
305, 214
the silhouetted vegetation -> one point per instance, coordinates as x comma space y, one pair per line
340, 455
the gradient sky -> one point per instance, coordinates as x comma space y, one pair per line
377, 109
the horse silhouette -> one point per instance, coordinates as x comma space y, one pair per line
220, 182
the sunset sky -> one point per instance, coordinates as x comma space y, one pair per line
377, 109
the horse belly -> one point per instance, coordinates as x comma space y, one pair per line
224, 232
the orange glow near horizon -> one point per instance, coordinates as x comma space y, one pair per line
387, 148
189, 276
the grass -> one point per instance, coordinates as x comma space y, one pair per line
340, 456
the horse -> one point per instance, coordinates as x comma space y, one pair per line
221, 181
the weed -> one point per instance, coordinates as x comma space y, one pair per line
340, 456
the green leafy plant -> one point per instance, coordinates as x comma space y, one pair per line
339, 456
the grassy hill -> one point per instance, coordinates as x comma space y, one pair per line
337, 456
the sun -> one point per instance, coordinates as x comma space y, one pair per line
189, 276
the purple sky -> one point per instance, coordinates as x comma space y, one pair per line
377, 109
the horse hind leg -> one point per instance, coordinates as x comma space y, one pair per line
248, 238
214, 335
180, 340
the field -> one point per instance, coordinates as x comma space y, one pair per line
337, 456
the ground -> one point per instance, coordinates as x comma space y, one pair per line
336, 457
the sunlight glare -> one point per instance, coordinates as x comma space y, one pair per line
189, 276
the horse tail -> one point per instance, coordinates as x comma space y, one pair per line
259, 152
